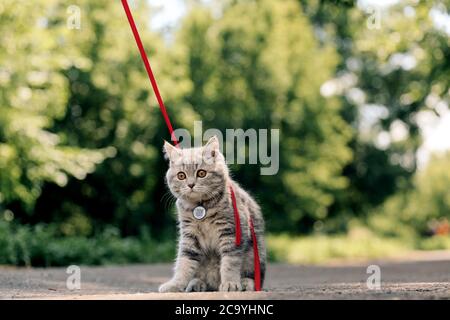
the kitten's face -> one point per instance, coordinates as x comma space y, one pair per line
196, 174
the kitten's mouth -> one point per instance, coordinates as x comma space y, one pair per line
192, 194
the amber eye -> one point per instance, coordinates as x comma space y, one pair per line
201, 173
181, 175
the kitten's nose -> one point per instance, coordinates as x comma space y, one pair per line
191, 185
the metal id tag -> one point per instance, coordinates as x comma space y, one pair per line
199, 212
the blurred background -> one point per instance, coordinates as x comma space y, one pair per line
358, 89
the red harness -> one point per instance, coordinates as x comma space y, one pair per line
237, 220
237, 223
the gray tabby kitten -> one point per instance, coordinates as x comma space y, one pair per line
208, 258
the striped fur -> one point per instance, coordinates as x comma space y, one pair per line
208, 258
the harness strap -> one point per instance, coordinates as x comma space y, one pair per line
237, 225
237, 220
256, 261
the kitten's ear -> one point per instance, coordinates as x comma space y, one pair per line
170, 152
211, 148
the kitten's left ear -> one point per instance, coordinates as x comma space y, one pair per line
211, 148
171, 152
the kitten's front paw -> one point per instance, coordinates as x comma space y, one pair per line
171, 286
196, 285
230, 286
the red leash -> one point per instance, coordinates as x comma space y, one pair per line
149, 70
162, 107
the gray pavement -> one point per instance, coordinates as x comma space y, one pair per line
421, 278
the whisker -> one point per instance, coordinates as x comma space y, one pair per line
168, 200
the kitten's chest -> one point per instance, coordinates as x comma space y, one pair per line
206, 231
207, 236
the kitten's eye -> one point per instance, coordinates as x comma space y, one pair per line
181, 175
201, 173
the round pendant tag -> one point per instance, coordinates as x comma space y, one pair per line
199, 212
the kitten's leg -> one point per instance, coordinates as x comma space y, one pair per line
230, 262
230, 278
210, 273
196, 285
248, 272
185, 267
248, 265
248, 284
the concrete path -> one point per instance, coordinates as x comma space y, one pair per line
418, 278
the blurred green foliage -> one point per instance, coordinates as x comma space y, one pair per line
421, 211
34, 96
81, 133
43, 245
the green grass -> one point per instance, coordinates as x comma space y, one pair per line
434, 243
40, 245
318, 249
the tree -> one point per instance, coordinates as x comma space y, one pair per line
386, 79
259, 66
33, 97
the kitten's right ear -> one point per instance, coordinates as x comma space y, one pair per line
170, 152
